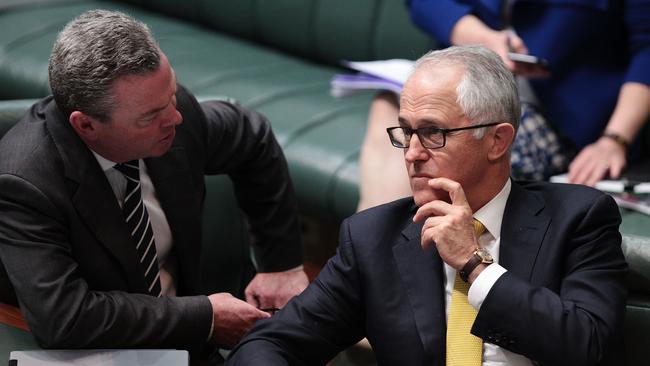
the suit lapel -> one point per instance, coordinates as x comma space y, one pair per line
422, 274
525, 224
98, 208
93, 197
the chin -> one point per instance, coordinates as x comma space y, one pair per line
422, 196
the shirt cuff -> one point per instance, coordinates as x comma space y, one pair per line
211, 328
483, 284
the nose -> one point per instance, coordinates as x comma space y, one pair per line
415, 151
173, 117
178, 117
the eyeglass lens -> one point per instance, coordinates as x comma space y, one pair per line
430, 138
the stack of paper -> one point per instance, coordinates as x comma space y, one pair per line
372, 75
627, 193
611, 186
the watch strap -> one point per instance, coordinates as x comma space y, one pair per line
471, 264
618, 138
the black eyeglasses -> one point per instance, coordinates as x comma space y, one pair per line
430, 137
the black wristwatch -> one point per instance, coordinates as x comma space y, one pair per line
480, 256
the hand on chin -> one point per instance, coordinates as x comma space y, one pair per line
426, 194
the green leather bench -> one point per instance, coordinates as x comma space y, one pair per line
637, 319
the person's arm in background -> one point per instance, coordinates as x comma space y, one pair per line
607, 156
471, 30
453, 23
241, 144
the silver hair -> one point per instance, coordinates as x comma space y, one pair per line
91, 53
487, 91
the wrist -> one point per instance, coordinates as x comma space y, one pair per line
618, 138
476, 272
480, 258
470, 30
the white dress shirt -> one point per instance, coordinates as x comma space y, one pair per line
167, 264
491, 216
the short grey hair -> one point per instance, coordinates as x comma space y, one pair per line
487, 91
91, 53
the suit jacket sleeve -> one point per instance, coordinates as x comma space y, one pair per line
317, 324
240, 143
637, 18
581, 324
56, 300
437, 17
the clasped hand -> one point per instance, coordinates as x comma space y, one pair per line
234, 317
448, 225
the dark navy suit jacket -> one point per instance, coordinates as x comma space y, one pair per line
562, 301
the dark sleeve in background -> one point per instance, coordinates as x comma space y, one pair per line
240, 143
437, 17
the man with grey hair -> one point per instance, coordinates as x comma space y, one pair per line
101, 194
474, 269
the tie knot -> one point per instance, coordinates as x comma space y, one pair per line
130, 169
479, 228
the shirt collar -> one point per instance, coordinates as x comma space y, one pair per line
103, 162
491, 214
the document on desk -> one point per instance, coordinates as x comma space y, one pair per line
611, 186
396, 70
372, 75
153, 357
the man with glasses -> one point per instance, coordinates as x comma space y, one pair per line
474, 268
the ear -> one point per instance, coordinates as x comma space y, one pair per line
502, 137
85, 126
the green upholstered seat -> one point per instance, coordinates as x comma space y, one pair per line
14, 339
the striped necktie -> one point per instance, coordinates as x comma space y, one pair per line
463, 348
137, 220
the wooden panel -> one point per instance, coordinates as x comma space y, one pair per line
12, 316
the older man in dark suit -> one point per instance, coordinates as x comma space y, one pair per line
101, 193
474, 268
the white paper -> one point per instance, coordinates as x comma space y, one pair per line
612, 186
342, 85
397, 70
159, 357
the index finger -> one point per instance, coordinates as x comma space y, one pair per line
455, 190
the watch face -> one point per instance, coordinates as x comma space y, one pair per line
485, 255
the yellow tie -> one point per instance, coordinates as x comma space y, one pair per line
463, 348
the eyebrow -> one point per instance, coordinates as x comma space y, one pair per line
152, 112
427, 123
156, 110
